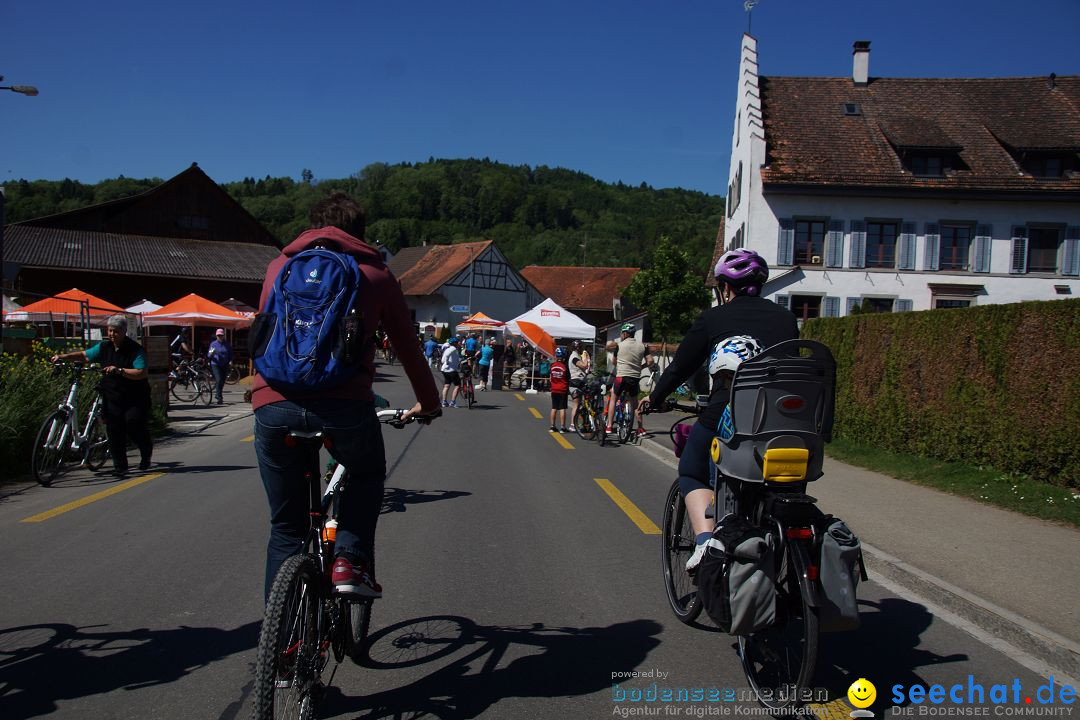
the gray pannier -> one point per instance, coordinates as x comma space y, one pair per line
840, 569
737, 576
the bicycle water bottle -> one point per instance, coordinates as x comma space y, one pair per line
329, 535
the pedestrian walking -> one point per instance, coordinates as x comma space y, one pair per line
220, 356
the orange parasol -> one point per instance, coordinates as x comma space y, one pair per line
68, 302
537, 337
195, 310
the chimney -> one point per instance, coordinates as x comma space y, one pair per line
860, 71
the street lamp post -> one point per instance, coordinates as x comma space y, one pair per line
31, 91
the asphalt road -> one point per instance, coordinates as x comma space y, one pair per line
514, 586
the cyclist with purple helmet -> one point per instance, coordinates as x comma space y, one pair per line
742, 320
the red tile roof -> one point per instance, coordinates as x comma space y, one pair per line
577, 288
810, 139
437, 266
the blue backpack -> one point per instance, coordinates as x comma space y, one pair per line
309, 334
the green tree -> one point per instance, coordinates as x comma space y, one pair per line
670, 289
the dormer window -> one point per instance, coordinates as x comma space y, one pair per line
1049, 165
931, 163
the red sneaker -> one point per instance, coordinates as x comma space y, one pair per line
352, 579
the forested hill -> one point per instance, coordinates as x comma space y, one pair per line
536, 215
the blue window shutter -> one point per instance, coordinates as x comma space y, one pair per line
834, 244
831, 307
1070, 261
1018, 264
785, 249
932, 247
783, 301
907, 246
852, 303
903, 306
858, 244
984, 237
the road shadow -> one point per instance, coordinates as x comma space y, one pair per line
396, 499
43, 664
483, 664
891, 623
179, 468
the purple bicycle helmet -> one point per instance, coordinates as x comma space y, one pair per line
744, 270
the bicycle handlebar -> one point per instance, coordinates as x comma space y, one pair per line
393, 417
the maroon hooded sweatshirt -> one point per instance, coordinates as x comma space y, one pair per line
381, 302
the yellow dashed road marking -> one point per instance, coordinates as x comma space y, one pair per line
249, 438
562, 441
536, 413
833, 710
520, 397
91, 498
646, 525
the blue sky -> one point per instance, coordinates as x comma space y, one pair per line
634, 90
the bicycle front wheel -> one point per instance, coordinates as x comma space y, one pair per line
678, 545
625, 424
290, 659
233, 375
183, 389
780, 660
48, 457
96, 448
585, 423
205, 390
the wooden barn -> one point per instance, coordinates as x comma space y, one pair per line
185, 235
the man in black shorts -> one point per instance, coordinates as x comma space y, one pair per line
450, 367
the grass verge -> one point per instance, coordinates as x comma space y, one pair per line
1012, 492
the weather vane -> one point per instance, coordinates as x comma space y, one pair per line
748, 5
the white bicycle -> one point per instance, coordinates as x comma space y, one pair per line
60, 437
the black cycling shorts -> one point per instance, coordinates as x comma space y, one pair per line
630, 385
451, 378
558, 401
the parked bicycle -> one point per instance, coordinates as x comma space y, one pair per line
60, 437
189, 382
305, 622
782, 407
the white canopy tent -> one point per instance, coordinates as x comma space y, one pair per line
556, 321
144, 306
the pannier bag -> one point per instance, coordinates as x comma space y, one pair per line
839, 572
309, 335
737, 576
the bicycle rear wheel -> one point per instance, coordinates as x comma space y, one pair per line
357, 622
233, 376
96, 448
780, 660
290, 659
678, 545
205, 390
625, 423
48, 458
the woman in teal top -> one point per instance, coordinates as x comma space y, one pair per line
486, 354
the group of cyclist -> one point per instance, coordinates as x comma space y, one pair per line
722, 337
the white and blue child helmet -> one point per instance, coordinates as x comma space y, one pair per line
730, 353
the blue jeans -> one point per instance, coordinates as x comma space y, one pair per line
220, 371
357, 444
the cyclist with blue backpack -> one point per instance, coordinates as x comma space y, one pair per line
742, 325
322, 300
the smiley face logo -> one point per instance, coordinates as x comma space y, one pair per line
862, 693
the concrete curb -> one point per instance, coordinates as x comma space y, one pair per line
1009, 632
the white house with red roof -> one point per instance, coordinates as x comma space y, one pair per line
892, 194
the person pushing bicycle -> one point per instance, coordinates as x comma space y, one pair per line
738, 328
125, 390
344, 413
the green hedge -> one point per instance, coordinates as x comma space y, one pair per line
995, 385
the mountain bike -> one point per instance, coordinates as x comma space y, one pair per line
305, 622
60, 438
587, 419
623, 422
782, 410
